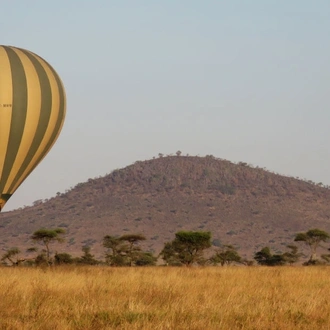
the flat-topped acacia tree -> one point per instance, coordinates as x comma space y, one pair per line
313, 239
187, 248
46, 236
132, 250
124, 250
12, 256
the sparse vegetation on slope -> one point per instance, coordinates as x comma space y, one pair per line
241, 205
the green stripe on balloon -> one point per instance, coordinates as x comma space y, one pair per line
60, 118
46, 108
5, 196
19, 110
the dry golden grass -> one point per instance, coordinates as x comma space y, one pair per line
165, 298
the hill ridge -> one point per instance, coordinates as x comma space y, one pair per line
240, 204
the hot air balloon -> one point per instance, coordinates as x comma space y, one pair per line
32, 112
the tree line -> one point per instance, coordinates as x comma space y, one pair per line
186, 249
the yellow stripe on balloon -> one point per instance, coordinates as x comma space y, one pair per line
51, 125
32, 113
6, 99
32, 117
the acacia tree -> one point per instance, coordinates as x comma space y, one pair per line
226, 255
145, 259
169, 255
312, 238
293, 255
187, 248
115, 252
45, 236
87, 258
123, 250
264, 257
63, 259
12, 256
133, 251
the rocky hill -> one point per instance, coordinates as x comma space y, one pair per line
242, 205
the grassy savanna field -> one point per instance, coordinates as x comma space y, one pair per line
165, 298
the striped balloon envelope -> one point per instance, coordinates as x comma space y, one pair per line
32, 112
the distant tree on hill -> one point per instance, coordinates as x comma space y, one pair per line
145, 259
169, 255
264, 257
63, 259
226, 255
187, 248
124, 250
46, 237
41, 259
312, 238
87, 258
293, 255
133, 251
115, 254
11, 255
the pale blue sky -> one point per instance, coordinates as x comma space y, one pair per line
242, 80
